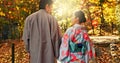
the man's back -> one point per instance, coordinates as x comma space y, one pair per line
43, 33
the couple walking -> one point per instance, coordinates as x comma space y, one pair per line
45, 44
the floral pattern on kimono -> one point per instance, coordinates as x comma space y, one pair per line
76, 34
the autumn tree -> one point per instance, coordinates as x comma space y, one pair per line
12, 16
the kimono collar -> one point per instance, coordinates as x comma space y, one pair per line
43, 10
77, 26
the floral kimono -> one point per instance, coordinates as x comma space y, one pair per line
76, 46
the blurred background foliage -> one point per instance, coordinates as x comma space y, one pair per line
12, 16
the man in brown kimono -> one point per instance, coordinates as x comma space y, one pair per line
42, 35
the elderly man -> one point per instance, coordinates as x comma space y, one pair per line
42, 35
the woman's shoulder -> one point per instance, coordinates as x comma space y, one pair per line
69, 29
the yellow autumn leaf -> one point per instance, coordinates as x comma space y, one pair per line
17, 7
10, 12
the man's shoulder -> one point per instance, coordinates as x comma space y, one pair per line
42, 13
51, 16
33, 14
31, 17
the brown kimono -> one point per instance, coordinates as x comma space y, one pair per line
42, 37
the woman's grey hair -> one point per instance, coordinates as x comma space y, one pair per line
79, 14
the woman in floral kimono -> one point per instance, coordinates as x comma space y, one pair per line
76, 45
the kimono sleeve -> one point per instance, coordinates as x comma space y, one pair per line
90, 47
64, 48
57, 39
56, 36
26, 34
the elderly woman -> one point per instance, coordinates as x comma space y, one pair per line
76, 45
